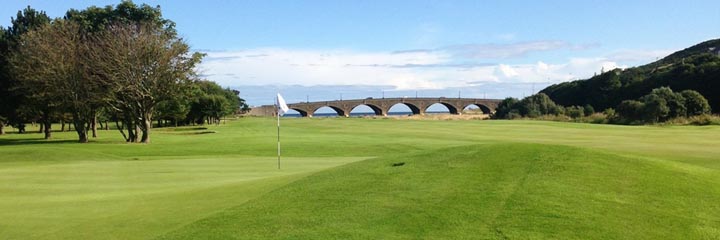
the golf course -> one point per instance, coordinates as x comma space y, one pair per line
355, 178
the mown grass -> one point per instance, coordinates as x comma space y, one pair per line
461, 179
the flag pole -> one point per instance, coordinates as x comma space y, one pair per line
278, 134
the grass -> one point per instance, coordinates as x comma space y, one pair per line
461, 179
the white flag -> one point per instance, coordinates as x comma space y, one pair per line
282, 106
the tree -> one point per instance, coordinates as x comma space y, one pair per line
504, 108
675, 101
574, 111
14, 107
143, 65
538, 104
695, 103
6, 101
588, 110
630, 110
50, 63
655, 108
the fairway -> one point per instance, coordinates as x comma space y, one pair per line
460, 179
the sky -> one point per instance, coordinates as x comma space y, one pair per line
341, 49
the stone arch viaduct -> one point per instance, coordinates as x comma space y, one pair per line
382, 106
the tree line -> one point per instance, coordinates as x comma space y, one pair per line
124, 64
660, 105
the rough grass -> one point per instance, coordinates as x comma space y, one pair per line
461, 179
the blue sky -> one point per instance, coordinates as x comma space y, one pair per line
364, 48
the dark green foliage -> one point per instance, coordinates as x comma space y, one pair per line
695, 103
212, 102
537, 105
675, 101
574, 111
137, 65
96, 19
630, 110
655, 108
505, 107
16, 104
588, 110
662, 104
532, 106
696, 68
26, 20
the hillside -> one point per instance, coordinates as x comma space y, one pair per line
696, 68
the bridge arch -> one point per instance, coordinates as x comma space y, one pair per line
413, 108
340, 112
452, 109
482, 107
376, 109
302, 112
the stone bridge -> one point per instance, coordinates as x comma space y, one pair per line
381, 106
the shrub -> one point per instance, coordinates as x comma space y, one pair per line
588, 110
574, 111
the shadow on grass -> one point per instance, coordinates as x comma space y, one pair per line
9, 142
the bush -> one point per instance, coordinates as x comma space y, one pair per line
704, 119
575, 111
588, 110
609, 113
695, 103
597, 118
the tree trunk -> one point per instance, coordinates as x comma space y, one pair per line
146, 126
62, 125
107, 127
93, 126
47, 124
136, 133
81, 129
2, 128
40, 130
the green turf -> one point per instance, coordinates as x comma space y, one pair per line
462, 179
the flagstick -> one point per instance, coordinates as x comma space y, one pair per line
278, 135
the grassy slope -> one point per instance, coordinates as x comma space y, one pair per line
635, 182
516, 191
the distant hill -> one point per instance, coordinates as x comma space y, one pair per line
696, 68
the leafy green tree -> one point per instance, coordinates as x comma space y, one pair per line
505, 107
695, 103
143, 66
655, 108
631, 110
50, 63
675, 101
17, 105
97, 19
538, 104
6, 100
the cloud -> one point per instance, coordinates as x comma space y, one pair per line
499, 51
417, 70
643, 56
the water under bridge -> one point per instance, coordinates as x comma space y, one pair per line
381, 106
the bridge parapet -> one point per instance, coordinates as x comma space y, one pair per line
381, 106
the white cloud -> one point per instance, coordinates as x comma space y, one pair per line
403, 71
643, 56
